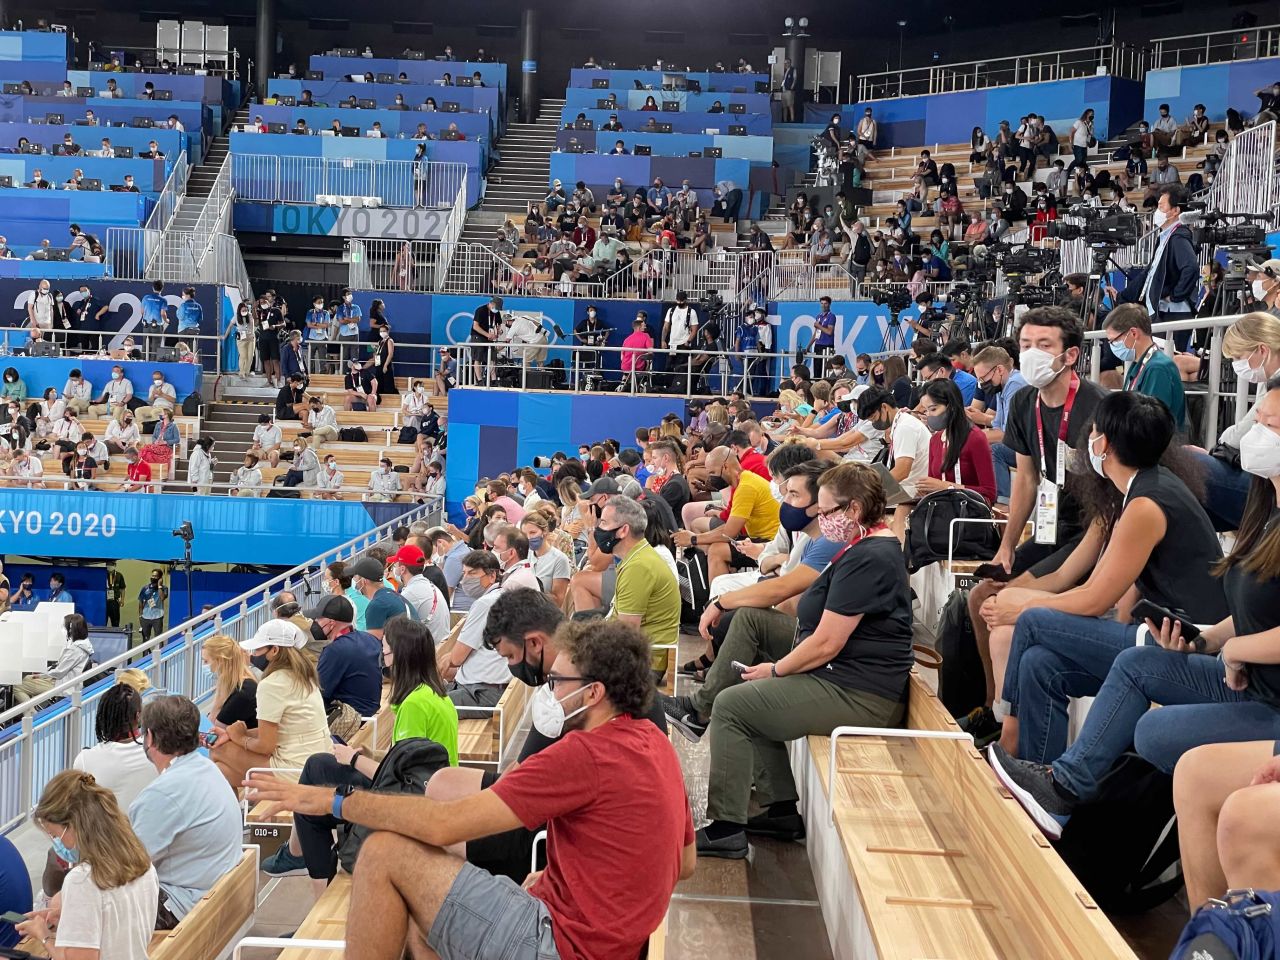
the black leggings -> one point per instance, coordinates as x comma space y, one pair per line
315, 833
1080, 159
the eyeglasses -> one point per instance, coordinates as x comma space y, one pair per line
557, 678
836, 509
1114, 340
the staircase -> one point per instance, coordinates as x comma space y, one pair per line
200, 181
231, 426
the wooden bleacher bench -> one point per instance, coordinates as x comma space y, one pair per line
945, 864
326, 921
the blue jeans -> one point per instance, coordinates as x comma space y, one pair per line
1005, 460
1197, 707
1225, 491
1054, 657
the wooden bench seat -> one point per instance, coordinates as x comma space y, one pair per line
327, 920
945, 863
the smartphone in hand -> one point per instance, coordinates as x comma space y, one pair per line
207, 739
739, 666
993, 571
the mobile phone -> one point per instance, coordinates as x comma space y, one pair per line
208, 739
993, 571
1146, 610
739, 666
10, 917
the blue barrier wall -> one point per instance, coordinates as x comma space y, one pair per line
722, 82
148, 175
124, 297
136, 525
41, 372
171, 142
473, 126
32, 215
195, 117
418, 71
87, 586
577, 98
383, 94
951, 117
53, 270
757, 124
34, 45
1216, 85
758, 150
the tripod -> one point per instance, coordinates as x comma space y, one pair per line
1095, 283
895, 335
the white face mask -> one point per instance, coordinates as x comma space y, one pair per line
1260, 452
548, 712
419, 390
1248, 373
1159, 218
1259, 288
1037, 367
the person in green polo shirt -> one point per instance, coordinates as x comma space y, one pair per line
646, 594
1150, 370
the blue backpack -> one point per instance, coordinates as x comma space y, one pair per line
1244, 926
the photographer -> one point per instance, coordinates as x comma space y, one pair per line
1168, 285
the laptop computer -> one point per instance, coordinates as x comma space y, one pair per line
893, 492
54, 118
449, 106
597, 83
367, 103
664, 128
90, 184
642, 150
670, 106
12, 88
351, 131
55, 254
164, 95
738, 108
574, 148
289, 101
84, 91
715, 153
143, 122
6, 181
584, 125
415, 55
695, 153
463, 82
124, 152
276, 128
385, 77
313, 75
605, 105
737, 130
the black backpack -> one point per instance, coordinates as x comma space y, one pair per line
695, 584
191, 405
1123, 845
962, 683
407, 435
930, 525
406, 768
353, 435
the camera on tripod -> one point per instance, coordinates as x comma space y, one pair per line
1211, 228
1101, 227
895, 298
1019, 261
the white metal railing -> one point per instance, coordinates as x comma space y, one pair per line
35, 747
268, 178
223, 263
1223, 383
412, 266
174, 188
211, 212
1116, 59
1245, 43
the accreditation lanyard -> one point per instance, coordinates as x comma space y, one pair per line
1060, 461
1141, 367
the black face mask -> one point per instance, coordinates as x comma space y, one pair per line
606, 540
527, 673
260, 661
717, 483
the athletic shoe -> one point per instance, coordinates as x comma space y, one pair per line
282, 863
981, 724
682, 715
787, 827
732, 847
1032, 785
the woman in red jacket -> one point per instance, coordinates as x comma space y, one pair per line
959, 455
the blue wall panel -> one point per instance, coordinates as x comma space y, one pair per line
1218, 86
946, 118
546, 425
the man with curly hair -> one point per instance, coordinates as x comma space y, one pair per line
610, 791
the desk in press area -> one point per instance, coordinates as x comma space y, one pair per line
331, 92
194, 117
222, 95
654, 79
759, 150
418, 71
41, 372
578, 98
473, 126
171, 142
756, 124
148, 175
32, 215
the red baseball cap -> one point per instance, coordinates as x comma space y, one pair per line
408, 555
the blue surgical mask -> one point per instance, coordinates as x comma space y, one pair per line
535, 543
1095, 459
1123, 354
793, 519
69, 855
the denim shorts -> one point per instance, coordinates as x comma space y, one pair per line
484, 917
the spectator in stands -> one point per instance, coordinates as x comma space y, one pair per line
1167, 286
422, 593
77, 392
164, 439
906, 437
959, 454
161, 398
200, 467
1164, 130
321, 420
937, 366
476, 675
639, 844
188, 819
552, 567
116, 396
511, 547
235, 690
861, 602
118, 761
122, 434
1165, 174
137, 472
110, 894
71, 663
349, 665
750, 511
267, 439
384, 482
999, 379
247, 479
1150, 370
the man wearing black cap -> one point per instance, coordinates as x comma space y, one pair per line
486, 324
350, 665
366, 576
679, 335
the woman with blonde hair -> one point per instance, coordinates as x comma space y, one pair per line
135, 678
235, 690
110, 895
292, 724
1252, 344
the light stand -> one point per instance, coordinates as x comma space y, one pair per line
188, 534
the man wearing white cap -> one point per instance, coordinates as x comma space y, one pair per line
1264, 284
291, 719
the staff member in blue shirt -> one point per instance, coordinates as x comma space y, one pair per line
936, 366
155, 317
58, 592
190, 314
348, 316
318, 321
1151, 370
824, 338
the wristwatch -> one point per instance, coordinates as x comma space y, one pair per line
354, 757
693, 540
718, 605
339, 795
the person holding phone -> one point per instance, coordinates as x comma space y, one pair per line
1223, 686
1156, 544
15, 892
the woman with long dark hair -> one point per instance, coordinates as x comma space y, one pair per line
959, 455
421, 710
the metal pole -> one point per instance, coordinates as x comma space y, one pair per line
266, 42
529, 66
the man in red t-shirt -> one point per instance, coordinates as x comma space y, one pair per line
138, 473
619, 830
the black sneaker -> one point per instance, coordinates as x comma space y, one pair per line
682, 715
787, 827
1032, 785
732, 847
981, 724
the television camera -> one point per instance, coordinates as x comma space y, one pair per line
1102, 227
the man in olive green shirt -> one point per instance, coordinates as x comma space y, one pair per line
646, 595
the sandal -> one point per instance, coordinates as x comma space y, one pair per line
696, 668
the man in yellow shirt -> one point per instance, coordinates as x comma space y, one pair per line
753, 515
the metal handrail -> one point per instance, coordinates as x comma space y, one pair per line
1216, 46
167, 203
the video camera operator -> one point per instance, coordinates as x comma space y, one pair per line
1167, 286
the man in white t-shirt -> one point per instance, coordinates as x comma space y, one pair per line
907, 437
433, 609
26, 470
266, 440
679, 333
118, 761
476, 676
40, 307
